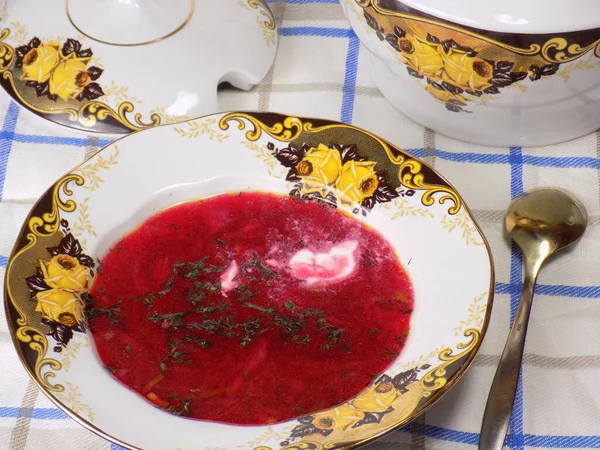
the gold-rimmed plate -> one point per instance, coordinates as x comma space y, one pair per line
419, 213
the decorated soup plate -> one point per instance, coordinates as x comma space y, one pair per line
346, 182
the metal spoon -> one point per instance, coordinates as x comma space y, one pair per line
541, 222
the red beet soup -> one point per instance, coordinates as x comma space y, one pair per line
249, 308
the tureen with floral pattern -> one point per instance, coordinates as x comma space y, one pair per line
508, 73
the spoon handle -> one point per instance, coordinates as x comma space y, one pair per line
504, 387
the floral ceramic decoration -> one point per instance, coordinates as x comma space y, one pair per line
59, 286
55, 65
335, 174
502, 76
455, 74
75, 222
59, 71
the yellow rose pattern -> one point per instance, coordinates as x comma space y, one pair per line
65, 272
369, 407
319, 169
336, 175
59, 71
60, 306
357, 181
59, 288
454, 74
39, 62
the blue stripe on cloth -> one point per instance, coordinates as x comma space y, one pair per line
515, 439
350, 80
3, 261
498, 158
10, 123
36, 413
466, 157
443, 434
116, 447
317, 31
553, 161
557, 290
562, 441
53, 140
529, 440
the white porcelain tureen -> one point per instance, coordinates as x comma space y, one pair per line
508, 73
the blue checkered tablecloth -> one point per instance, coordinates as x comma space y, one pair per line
321, 70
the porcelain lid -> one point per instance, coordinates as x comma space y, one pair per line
515, 16
118, 66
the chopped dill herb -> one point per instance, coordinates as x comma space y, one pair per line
168, 286
176, 355
195, 297
202, 343
294, 323
190, 270
222, 325
290, 306
182, 408
149, 300
289, 324
335, 335
391, 354
170, 319
210, 287
303, 339
251, 328
212, 308
244, 293
256, 264
265, 311
311, 312
212, 268
127, 350
373, 331
92, 312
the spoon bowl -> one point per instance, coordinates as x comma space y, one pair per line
541, 222
545, 219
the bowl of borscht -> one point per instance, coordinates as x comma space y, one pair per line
248, 280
